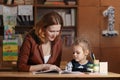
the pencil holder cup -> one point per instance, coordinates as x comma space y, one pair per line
96, 66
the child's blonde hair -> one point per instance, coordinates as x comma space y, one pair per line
84, 43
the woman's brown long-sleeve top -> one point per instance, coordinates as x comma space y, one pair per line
31, 53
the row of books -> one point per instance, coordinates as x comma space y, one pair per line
60, 2
70, 2
21, 20
25, 20
55, 2
17, 2
22, 14
68, 15
68, 37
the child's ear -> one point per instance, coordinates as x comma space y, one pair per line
86, 52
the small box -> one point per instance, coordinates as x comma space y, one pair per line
104, 67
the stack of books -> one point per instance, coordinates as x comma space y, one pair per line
19, 2
10, 50
8, 2
29, 2
54, 2
70, 2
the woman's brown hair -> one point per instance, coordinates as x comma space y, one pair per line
51, 18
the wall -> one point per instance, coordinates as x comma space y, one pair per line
91, 22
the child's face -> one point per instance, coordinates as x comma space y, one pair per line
78, 53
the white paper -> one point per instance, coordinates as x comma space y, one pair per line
25, 10
9, 10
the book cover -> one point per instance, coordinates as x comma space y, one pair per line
10, 50
54, 2
25, 9
55, 71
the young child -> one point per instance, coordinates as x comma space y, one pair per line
81, 49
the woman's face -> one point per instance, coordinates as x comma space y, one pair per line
52, 32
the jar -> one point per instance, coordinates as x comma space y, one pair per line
96, 67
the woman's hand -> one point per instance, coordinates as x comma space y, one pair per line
44, 67
51, 67
54, 67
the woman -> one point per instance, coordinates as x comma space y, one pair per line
42, 46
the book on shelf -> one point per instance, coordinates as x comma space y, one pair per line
70, 2
25, 15
73, 20
29, 1
10, 50
54, 0
55, 71
19, 2
68, 17
8, 2
68, 37
62, 13
25, 20
54, 3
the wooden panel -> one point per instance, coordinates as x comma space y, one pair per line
110, 41
112, 55
110, 2
96, 51
89, 2
89, 24
67, 53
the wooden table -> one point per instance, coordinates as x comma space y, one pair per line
56, 76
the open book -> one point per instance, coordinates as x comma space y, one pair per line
55, 71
